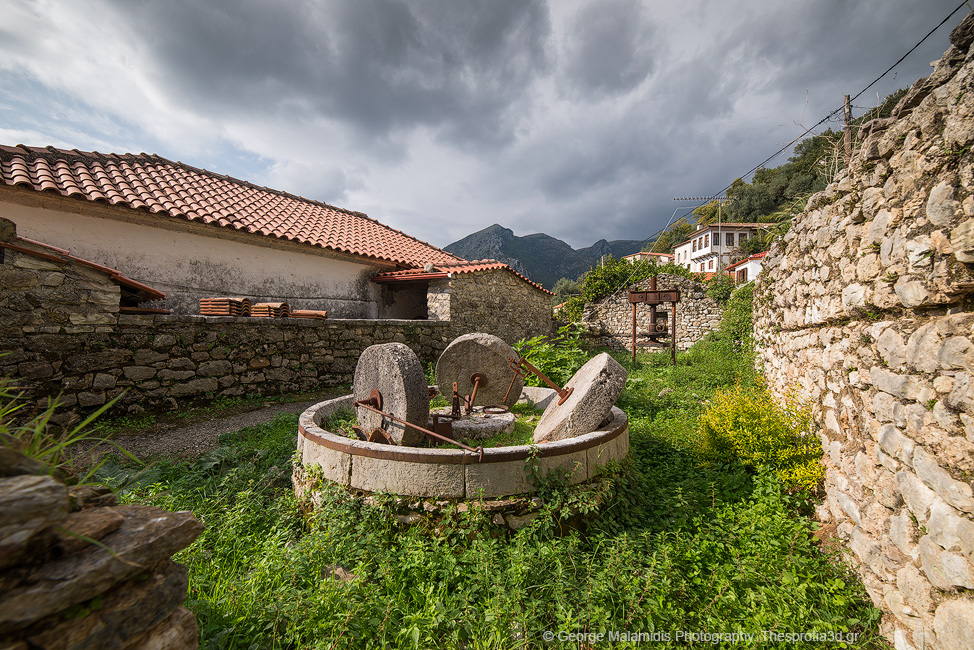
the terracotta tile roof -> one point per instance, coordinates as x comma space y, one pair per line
445, 270
176, 190
756, 256
132, 290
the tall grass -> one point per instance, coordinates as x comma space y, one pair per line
671, 540
670, 543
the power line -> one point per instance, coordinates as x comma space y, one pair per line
836, 111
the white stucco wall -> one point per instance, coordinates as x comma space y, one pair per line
189, 261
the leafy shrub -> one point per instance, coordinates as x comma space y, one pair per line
748, 423
559, 358
737, 321
719, 287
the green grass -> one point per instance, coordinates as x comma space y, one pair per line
667, 542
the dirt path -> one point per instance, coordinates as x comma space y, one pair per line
188, 440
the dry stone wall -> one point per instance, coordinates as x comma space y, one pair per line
866, 309
155, 361
609, 322
62, 591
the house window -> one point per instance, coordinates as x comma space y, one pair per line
706, 241
742, 275
741, 237
710, 264
694, 245
729, 239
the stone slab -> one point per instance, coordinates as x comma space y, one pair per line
28, 505
415, 479
595, 388
396, 372
614, 450
488, 480
148, 536
478, 425
479, 353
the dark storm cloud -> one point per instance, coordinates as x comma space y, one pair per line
377, 65
580, 118
835, 47
608, 49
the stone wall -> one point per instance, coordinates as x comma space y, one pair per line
156, 360
60, 590
45, 293
866, 309
494, 301
610, 321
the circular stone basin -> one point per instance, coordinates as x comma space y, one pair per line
478, 425
454, 473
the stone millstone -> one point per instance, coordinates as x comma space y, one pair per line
597, 385
483, 353
395, 371
478, 425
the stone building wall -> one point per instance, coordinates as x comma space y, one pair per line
495, 301
866, 309
609, 322
60, 590
44, 293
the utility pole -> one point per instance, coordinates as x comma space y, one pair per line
848, 132
720, 243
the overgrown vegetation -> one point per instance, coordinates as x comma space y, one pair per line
748, 423
670, 541
559, 358
37, 438
611, 276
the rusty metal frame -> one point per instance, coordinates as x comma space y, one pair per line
655, 297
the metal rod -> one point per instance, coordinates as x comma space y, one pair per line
563, 393
673, 335
367, 405
634, 332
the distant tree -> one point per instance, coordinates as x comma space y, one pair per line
564, 288
756, 244
706, 214
672, 237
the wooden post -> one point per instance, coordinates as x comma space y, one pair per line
848, 133
673, 335
634, 332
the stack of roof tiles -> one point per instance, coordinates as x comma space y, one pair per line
224, 307
175, 190
270, 310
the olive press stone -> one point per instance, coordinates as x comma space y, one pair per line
477, 425
596, 387
395, 371
483, 353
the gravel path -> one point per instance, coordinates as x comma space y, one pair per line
166, 439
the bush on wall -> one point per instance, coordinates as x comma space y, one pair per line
747, 423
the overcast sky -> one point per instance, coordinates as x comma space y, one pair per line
579, 118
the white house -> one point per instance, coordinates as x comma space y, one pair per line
748, 268
654, 258
711, 248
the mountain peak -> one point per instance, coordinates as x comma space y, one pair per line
541, 257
